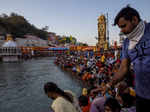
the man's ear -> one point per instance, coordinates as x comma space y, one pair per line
135, 20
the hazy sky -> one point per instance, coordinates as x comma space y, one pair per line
73, 17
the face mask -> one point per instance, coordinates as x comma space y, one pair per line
99, 94
116, 90
121, 104
107, 95
91, 99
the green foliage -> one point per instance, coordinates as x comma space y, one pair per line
18, 26
68, 39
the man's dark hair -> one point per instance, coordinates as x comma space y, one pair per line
52, 87
127, 13
128, 100
113, 104
83, 100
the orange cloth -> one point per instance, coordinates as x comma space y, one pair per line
86, 108
89, 76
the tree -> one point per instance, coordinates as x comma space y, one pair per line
45, 28
4, 15
18, 26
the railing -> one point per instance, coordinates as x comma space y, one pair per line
10, 51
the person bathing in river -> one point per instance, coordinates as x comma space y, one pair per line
64, 101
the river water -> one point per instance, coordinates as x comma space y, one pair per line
21, 85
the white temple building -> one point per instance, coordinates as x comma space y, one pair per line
9, 43
9, 52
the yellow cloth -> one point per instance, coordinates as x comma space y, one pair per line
84, 91
62, 105
132, 92
78, 69
103, 59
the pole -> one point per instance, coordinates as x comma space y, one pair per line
107, 26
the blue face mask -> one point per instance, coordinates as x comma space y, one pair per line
91, 99
99, 94
121, 104
107, 95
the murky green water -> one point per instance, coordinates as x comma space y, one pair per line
21, 85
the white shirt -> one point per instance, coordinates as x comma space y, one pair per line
60, 104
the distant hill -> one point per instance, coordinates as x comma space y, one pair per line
18, 26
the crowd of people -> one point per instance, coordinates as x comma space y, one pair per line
115, 84
96, 72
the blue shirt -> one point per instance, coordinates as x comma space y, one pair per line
140, 57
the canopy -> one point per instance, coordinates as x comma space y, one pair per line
58, 48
